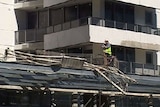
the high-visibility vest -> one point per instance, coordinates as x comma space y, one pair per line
108, 51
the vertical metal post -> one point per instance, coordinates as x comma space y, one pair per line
89, 21
131, 68
154, 69
142, 69
103, 22
125, 26
159, 69
25, 36
114, 24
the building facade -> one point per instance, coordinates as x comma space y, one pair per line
78, 26
132, 27
8, 26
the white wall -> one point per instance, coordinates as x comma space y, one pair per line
66, 38
7, 1
148, 3
48, 3
158, 17
98, 34
124, 38
7, 25
158, 58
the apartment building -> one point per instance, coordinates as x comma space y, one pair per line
81, 26
132, 27
8, 26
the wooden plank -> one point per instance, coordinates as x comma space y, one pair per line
115, 85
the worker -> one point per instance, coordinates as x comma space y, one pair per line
107, 52
6, 54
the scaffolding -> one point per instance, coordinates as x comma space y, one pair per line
112, 75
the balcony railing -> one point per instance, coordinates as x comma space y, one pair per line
104, 23
124, 66
31, 35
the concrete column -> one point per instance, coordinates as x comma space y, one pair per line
98, 8
158, 17
158, 58
112, 101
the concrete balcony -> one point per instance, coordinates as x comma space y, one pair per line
48, 3
29, 39
92, 30
96, 30
28, 4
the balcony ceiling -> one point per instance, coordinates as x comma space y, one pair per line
31, 5
70, 2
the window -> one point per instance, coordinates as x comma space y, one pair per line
56, 16
70, 13
43, 19
32, 20
109, 11
129, 14
149, 57
148, 18
85, 10
119, 12
124, 53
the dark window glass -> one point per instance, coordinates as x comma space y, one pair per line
129, 14
43, 19
32, 20
123, 53
148, 18
109, 10
149, 58
85, 10
70, 13
130, 54
119, 12
75, 50
56, 16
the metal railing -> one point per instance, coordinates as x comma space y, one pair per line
126, 67
22, 34
31, 35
